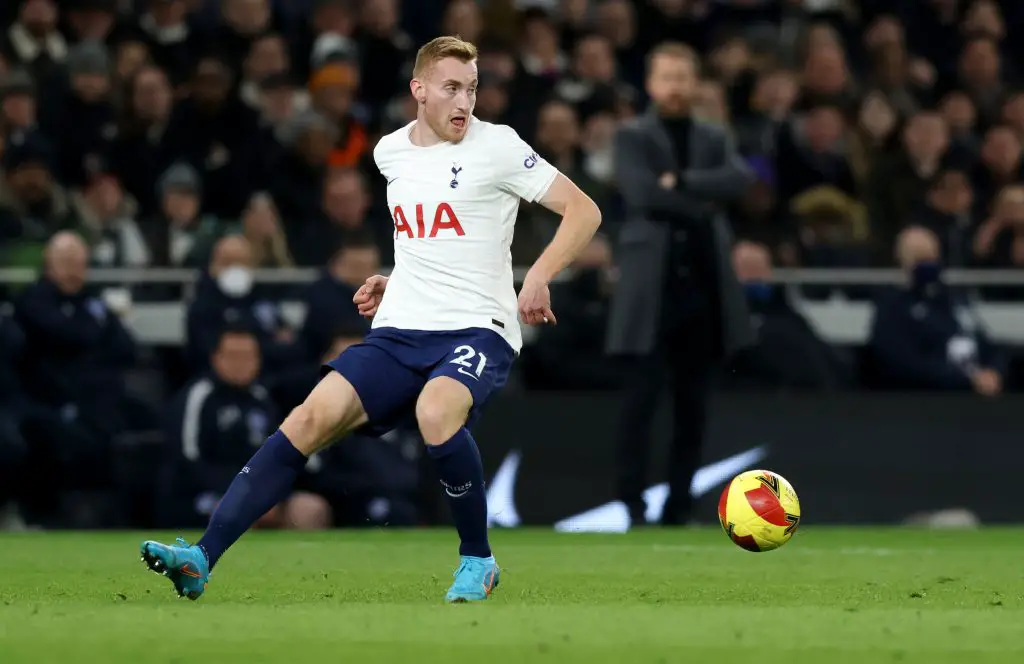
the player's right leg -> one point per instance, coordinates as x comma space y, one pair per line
331, 410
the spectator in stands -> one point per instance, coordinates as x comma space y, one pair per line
278, 101
212, 428
13, 448
261, 225
34, 42
77, 351
33, 205
571, 355
106, 219
346, 201
146, 145
173, 42
384, 50
88, 117
268, 55
492, 98
93, 20
981, 76
873, 137
541, 60
327, 33
328, 300
332, 89
948, 212
19, 112
217, 134
130, 56
925, 335
463, 18
1001, 162
958, 111
826, 76
559, 141
180, 235
297, 186
833, 228
812, 152
226, 295
788, 353
592, 84
243, 22
899, 183
999, 241
771, 102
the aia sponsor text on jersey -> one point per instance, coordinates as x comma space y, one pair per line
442, 220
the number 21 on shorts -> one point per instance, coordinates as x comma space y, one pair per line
465, 358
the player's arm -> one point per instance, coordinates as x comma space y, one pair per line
580, 220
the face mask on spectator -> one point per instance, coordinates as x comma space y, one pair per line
759, 291
235, 281
926, 273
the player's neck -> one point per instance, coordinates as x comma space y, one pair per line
421, 135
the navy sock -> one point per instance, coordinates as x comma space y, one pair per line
462, 474
265, 481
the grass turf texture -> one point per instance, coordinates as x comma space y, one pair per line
831, 595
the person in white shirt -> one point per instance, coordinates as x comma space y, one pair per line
445, 323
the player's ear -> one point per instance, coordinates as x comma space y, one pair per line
419, 92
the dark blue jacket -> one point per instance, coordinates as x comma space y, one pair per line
12, 345
76, 352
211, 311
911, 335
329, 308
212, 429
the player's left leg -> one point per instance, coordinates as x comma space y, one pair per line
441, 412
458, 388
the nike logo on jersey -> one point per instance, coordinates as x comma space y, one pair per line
391, 180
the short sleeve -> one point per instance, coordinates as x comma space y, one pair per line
521, 171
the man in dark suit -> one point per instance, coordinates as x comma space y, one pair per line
677, 307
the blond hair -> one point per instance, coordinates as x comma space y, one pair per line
438, 49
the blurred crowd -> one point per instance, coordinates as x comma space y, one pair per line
231, 135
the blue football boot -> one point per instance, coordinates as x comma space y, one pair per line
474, 580
184, 565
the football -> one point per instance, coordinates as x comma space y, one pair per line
759, 510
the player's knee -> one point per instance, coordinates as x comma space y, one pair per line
438, 421
308, 511
304, 427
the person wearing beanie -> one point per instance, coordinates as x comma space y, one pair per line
333, 88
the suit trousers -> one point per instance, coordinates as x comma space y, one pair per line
682, 362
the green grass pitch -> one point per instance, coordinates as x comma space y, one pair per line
831, 596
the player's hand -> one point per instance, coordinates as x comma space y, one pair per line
368, 297
535, 302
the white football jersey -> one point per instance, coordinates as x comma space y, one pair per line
453, 207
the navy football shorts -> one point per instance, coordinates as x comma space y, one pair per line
390, 367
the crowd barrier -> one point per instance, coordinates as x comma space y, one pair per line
837, 319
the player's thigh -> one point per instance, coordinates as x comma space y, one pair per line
384, 381
476, 367
330, 411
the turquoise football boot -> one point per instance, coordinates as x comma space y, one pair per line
184, 565
474, 580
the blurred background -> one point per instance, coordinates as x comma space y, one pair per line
215, 160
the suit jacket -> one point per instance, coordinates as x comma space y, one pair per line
715, 175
